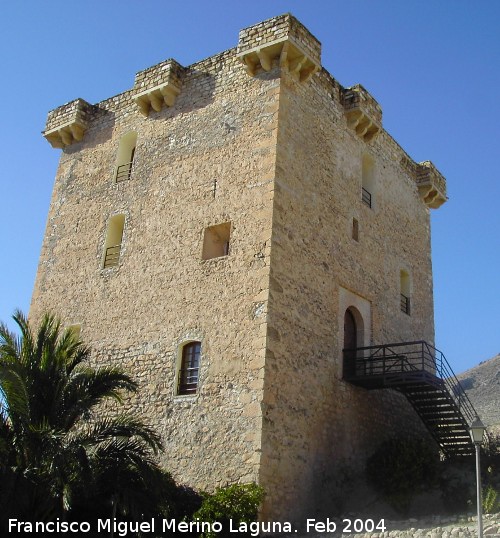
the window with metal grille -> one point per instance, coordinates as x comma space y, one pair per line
190, 368
113, 244
405, 287
368, 180
125, 157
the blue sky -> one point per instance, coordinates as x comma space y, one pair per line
433, 66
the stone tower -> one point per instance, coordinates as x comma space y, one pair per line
223, 231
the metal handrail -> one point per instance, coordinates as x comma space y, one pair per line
401, 357
124, 171
112, 256
405, 304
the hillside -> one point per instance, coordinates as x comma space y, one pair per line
482, 384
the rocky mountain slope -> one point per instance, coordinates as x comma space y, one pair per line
482, 384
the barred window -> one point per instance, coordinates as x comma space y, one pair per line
189, 369
125, 157
405, 286
368, 180
113, 243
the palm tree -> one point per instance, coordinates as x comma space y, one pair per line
63, 452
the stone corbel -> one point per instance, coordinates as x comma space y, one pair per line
65, 135
67, 124
156, 98
362, 124
362, 112
431, 196
431, 185
265, 60
297, 63
291, 58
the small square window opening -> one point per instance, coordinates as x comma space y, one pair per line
216, 241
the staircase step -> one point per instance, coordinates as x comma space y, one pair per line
458, 437
441, 411
430, 396
435, 395
455, 437
439, 404
452, 430
421, 387
438, 410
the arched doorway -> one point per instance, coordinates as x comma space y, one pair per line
350, 330
353, 333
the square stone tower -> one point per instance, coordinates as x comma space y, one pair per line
222, 231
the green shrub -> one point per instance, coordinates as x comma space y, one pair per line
400, 468
458, 484
491, 504
239, 503
490, 460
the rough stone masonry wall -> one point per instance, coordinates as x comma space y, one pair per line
167, 71
208, 159
277, 29
77, 110
318, 429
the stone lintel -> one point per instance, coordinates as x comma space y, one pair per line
158, 86
431, 185
67, 124
282, 41
362, 111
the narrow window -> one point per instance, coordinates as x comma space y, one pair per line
405, 291
189, 369
368, 180
216, 241
355, 229
125, 157
113, 244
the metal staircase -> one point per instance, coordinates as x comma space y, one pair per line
423, 375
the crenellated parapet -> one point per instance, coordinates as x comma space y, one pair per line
281, 40
431, 185
362, 111
158, 86
67, 124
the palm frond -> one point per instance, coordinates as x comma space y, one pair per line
87, 387
67, 448
121, 427
10, 344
